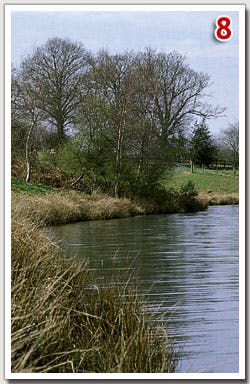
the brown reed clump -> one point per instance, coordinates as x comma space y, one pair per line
63, 322
214, 198
61, 208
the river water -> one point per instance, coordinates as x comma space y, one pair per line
186, 264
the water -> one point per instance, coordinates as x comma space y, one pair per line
187, 265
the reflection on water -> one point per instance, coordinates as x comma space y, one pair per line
187, 265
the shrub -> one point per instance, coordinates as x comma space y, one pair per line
186, 200
188, 190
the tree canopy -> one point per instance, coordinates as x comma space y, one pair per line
55, 76
122, 116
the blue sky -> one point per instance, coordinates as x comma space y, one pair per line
189, 33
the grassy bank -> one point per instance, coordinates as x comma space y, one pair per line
214, 187
222, 181
63, 322
59, 206
216, 198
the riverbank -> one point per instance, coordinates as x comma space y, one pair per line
64, 321
62, 206
69, 206
217, 198
60, 317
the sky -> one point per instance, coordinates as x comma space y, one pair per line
187, 32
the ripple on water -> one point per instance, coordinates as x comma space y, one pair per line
187, 265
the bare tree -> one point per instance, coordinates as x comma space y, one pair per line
56, 71
175, 92
25, 111
230, 141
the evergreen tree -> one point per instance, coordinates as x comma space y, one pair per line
202, 146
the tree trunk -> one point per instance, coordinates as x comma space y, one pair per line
27, 143
118, 160
192, 166
139, 167
118, 164
60, 131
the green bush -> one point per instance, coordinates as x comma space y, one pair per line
188, 190
187, 198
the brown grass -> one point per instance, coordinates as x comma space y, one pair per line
63, 322
65, 207
218, 198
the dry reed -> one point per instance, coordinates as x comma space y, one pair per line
62, 322
61, 207
215, 198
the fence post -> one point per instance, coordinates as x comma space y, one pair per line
192, 166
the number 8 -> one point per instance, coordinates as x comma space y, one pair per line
223, 31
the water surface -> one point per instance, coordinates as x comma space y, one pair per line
187, 264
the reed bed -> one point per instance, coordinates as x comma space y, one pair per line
63, 322
214, 198
66, 207
63, 207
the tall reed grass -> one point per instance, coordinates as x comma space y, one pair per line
65, 207
63, 322
214, 198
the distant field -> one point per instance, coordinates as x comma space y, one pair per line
222, 181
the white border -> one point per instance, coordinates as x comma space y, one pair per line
116, 8
124, 7
242, 207
7, 183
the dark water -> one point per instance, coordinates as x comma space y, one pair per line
187, 265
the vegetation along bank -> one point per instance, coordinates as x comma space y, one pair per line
65, 321
60, 315
58, 206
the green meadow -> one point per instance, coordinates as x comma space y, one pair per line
205, 181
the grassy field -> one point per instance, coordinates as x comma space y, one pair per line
209, 181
